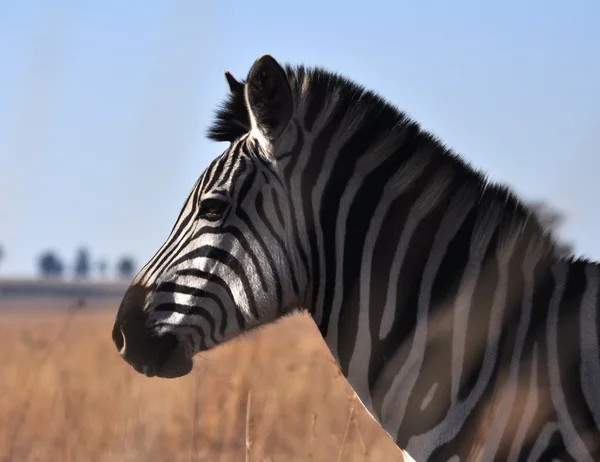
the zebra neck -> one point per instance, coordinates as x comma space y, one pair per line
401, 240
444, 297
437, 293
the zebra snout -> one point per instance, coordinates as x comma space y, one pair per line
149, 354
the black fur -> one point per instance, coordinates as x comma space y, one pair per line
232, 119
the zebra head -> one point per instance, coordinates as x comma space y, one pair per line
228, 264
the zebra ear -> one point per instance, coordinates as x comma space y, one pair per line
269, 97
234, 85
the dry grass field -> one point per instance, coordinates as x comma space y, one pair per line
65, 395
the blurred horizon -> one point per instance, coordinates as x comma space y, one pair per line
105, 106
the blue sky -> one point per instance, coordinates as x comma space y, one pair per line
104, 105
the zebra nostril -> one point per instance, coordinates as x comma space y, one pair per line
118, 338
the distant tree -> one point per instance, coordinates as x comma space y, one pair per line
102, 267
50, 265
552, 219
82, 263
125, 267
78, 305
564, 248
1, 253
549, 217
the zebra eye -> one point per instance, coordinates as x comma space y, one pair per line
213, 209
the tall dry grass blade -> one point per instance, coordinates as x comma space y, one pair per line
196, 385
358, 432
262, 427
248, 443
339, 458
312, 436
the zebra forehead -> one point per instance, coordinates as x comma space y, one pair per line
221, 170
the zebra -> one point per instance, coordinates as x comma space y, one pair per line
438, 292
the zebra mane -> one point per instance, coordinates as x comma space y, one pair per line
233, 121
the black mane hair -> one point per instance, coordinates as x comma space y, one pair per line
231, 119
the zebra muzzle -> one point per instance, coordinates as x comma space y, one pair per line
147, 353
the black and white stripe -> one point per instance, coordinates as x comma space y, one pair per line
440, 295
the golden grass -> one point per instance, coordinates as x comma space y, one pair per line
276, 395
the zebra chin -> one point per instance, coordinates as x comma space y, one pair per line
168, 359
148, 353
